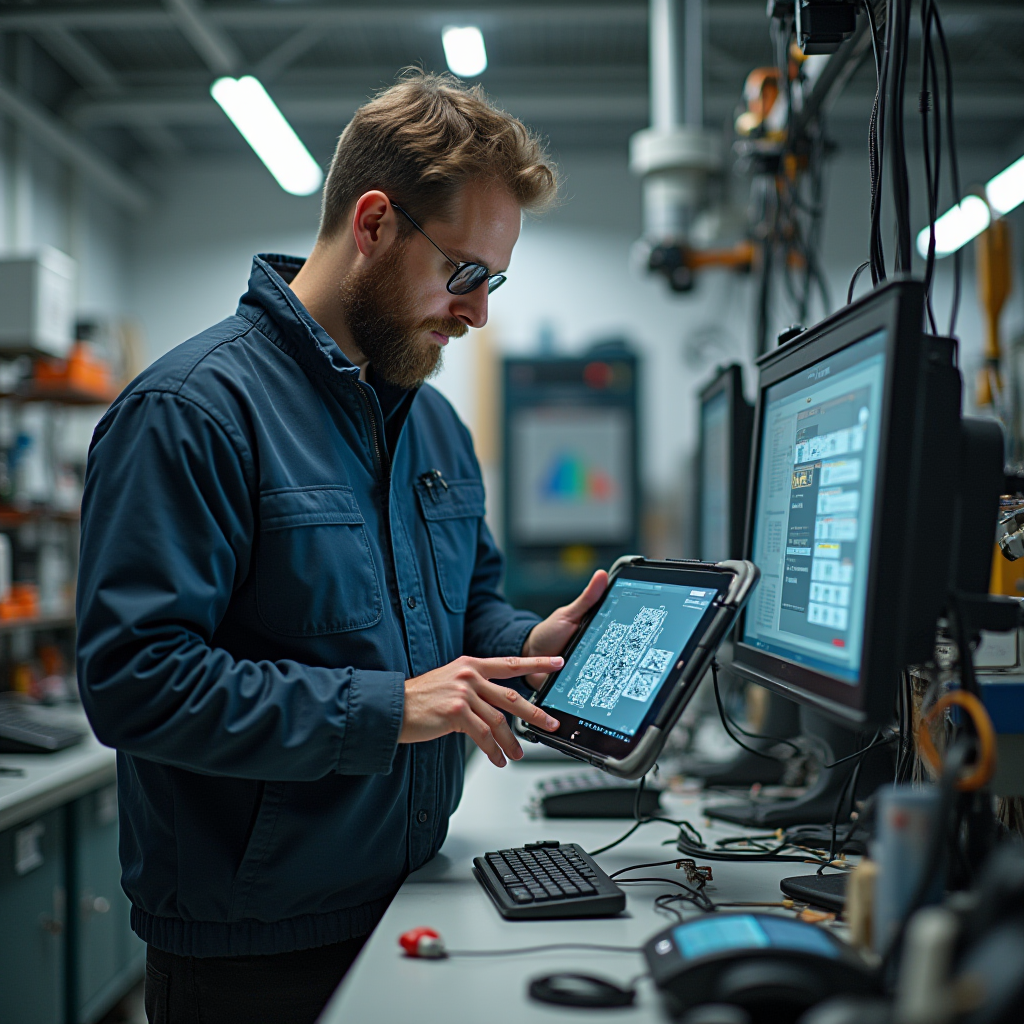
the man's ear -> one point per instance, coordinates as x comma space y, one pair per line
373, 224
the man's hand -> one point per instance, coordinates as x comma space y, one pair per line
458, 697
551, 635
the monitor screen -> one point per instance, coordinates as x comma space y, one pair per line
813, 511
715, 479
615, 672
572, 472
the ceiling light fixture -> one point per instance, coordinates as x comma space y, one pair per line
959, 224
272, 138
464, 50
1005, 192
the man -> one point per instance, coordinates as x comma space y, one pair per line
289, 602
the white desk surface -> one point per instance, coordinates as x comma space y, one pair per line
386, 987
49, 780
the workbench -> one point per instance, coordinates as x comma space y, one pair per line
386, 987
67, 952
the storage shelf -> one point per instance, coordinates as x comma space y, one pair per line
11, 517
63, 396
39, 622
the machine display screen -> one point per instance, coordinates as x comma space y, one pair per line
571, 475
726, 933
814, 502
715, 480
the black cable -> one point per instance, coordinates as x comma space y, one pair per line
876, 742
954, 165
900, 11
774, 856
675, 823
636, 814
696, 897
876, 249
544, 949
727, 721
851, 782
853, 280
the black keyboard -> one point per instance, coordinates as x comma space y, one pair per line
548, 879
23, 733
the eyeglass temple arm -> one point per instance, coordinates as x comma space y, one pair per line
426, 236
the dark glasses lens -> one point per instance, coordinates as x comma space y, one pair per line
495, 282
467, 278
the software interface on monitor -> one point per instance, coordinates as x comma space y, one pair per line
614, 674
814, 502
715, 479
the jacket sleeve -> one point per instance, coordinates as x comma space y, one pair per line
167, 529
493, 627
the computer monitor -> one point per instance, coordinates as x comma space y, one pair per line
723, 464
851, 502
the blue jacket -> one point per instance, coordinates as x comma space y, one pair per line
258, 578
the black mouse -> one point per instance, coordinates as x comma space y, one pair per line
570, 989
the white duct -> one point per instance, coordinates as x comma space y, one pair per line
676, 154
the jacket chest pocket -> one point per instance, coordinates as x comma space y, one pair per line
453, 521
316, 571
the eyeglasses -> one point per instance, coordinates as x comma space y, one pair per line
468, 276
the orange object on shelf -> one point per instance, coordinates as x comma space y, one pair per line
83, 373
21, 602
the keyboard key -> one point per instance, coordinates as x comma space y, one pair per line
520, 895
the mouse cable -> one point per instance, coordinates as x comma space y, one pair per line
594, 947
727, 722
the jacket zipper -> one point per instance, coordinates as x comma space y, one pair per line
386, 469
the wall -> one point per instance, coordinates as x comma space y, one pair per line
571, 277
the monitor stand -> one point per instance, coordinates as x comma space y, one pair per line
818, 804
743, 768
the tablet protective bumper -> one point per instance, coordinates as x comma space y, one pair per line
639, 761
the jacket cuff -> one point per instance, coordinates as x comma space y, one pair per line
376, 702
525, 621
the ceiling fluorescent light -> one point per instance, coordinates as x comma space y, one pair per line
464, 50
1005, 192
273, 139
956, 227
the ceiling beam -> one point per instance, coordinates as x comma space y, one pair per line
47, 131
80, 60
296, 15
285, 54
218, 51
619, 107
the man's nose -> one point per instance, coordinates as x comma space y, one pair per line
471, 309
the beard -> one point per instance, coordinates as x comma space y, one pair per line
384, 327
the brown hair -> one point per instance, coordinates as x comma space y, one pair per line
421, 140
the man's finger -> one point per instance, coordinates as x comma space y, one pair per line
480, 733
504, 698
509, 668
498, 725
591, 593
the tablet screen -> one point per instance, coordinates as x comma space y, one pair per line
614, 675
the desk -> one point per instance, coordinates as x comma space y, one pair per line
385, 987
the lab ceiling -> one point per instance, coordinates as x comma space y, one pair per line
131, 79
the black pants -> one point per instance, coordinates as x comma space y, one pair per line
285, 988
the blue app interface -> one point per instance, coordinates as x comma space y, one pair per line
616, 671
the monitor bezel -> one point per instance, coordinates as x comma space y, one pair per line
896, 308
740, 420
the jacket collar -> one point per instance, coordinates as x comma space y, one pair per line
271, 305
